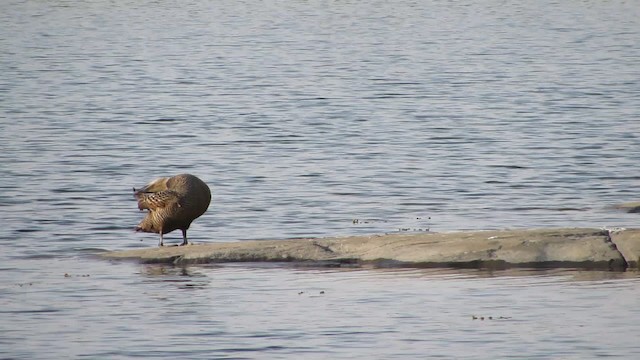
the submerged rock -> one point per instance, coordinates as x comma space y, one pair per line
630, 207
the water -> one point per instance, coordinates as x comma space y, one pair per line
265, 312
305, 116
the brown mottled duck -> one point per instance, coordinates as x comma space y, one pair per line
173, 203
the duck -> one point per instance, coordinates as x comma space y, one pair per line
173, 203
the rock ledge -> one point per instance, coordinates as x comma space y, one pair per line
564, 247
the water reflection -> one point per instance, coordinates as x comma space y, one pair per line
177, 273
182, 277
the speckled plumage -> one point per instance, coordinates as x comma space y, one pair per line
172, 203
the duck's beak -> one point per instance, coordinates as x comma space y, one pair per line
138, 192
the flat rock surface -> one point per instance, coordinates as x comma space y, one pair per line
564, 247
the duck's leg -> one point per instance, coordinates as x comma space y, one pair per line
161, 243
184, 238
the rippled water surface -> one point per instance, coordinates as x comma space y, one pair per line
304, 116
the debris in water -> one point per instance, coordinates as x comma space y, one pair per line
474, 317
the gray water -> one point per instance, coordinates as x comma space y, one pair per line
304, 116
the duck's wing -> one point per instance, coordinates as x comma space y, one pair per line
157, 200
